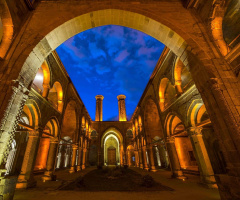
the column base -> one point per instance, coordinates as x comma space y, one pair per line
178, 175
209, 181
141, 166
78, 168
72, 170
83, 167
7, 187
153, 169
146, 168
48, 176
22, 183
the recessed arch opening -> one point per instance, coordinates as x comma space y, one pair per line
55, 96
112, 145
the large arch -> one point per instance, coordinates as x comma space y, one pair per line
221, 103
78, 24
161, 27
152, 121
70, 121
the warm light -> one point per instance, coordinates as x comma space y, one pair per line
39, 77
60, 95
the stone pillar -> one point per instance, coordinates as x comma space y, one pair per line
49, 173
121, 107
73, 161
25, 179
140, 158
151, 158
200, 151
124, 158
145, 159
99, 113
129, 158
84, 159
173, 157
79, 165
15, 96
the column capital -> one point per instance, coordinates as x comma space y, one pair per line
170, 139
54, 140
194, 131
101, 97
74, 146
121, 96
36, 132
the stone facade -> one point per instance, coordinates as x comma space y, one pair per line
188, 117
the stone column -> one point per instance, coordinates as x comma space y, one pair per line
124, 158
99, 159
99, 113
140, 158
200, 151
173, 157
151, 158
73, 161
121, 107
129, 158
145, 159
49, 173
25, 179
79, 165
84, 159
15, 96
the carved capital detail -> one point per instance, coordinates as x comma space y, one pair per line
170, 139
195, 131
74, 146
54, 140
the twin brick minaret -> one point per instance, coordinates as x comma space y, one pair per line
121, 108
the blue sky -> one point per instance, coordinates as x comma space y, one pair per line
110, 60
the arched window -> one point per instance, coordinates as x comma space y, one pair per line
129, 133
42, 80
167, 93
55, 96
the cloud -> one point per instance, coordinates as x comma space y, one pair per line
110, 60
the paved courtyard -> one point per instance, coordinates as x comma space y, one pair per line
184, 190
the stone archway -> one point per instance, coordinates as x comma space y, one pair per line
161, 32
220, 101
112, 141
111, 150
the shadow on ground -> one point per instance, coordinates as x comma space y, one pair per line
114, 179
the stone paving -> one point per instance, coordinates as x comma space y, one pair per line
183, 190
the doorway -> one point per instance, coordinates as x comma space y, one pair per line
111, 156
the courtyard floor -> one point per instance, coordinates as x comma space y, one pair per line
180, 190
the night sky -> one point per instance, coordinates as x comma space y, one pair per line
110, 60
